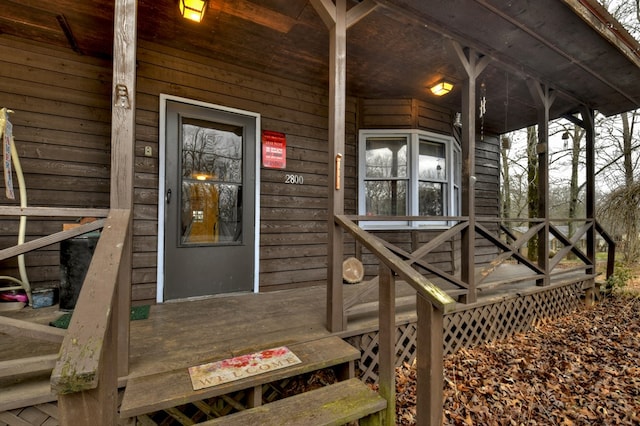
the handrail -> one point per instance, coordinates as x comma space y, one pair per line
52, 211
431, 305
50, 239
408, 218
426, 288
82, 355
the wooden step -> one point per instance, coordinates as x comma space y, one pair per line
336, 404
165, 390
34, 364
25, 391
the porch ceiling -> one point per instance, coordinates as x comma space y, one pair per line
396, 51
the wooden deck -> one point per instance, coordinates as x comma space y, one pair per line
181, 334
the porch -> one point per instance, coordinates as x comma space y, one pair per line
174, 338
292, 90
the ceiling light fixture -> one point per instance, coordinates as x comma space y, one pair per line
441, 88
193, 9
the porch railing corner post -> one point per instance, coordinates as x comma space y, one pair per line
429, 362
336, 317
123, 303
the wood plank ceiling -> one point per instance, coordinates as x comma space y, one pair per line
397, 51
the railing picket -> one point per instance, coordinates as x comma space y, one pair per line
429, 362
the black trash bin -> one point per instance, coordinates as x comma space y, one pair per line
75, 257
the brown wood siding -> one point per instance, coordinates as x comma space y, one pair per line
62, 128
293, 217
404, 114
62, 113
487, 192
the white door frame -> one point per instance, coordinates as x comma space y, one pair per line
161, 185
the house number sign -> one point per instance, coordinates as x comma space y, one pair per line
293, 179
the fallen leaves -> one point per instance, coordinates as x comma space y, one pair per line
579, 370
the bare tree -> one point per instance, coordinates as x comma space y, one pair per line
506, 178
621, 206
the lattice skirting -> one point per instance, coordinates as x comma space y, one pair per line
41, 414
475, 325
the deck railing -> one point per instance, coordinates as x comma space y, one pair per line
85, 375
510, 243
432, 304
569, 242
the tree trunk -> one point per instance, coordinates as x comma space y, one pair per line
630, 219
506, 180
532, 189
627, 135
574, 189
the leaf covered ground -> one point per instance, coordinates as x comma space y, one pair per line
582, 369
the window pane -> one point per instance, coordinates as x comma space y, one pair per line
211, 212
432, 161
210, 151
456, 201
386, 158
431, 199
386, 198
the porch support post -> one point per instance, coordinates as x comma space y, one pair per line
387, 342
544, 98
588, 118
337, 19
588, 124
122, 155
473, 64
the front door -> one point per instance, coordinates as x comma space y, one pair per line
209, 244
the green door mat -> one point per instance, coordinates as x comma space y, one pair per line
137, 313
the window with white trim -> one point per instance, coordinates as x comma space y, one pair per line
408, 173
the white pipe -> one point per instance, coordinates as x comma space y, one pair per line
23, 220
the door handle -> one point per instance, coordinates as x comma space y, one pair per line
168, 197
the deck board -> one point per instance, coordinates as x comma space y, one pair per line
221, 327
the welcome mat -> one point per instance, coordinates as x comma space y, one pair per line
137, 313
229, 370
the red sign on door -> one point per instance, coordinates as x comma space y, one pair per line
274, 149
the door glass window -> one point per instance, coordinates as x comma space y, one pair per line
211, 207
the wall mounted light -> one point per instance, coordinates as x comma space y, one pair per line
441, 88
193, 9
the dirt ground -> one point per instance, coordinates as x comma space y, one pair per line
580, 370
